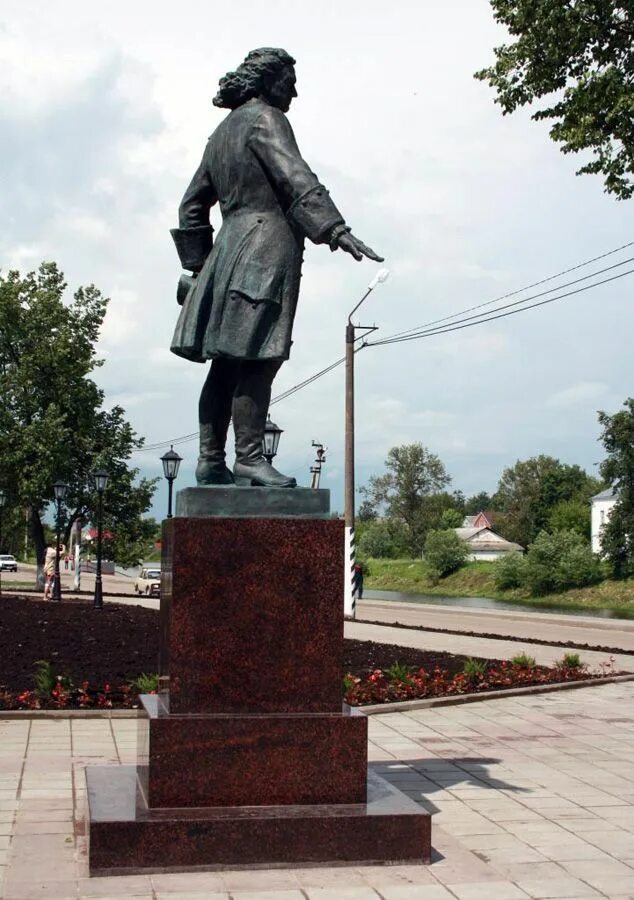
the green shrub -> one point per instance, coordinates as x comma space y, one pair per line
523, 661
399, 672
510, 571
444, 553
571, 661
560, 561
474, 669
384, 540
145, 684
44, 678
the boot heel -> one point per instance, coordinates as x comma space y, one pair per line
242, 481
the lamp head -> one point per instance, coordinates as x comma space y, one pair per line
271, 439
101, 479
171, 462
60, 488
381, 276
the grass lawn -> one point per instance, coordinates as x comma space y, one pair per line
475, 579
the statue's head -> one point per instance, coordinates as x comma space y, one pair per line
268, 72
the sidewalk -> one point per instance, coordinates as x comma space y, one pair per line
599, 632
532, 797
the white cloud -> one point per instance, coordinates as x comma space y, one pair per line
581, 394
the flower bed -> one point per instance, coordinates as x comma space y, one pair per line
69, 656
396, 684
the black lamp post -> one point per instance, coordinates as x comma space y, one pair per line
271, 440
3, 499
60, 489
101, 480
171, 462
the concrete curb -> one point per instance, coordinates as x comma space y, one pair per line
407, 705
71, 714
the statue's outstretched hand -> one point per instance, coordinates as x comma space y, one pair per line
352, 245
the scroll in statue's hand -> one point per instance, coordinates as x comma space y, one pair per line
356, 248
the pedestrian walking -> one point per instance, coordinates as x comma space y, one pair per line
358, 580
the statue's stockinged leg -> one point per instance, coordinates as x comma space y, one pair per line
251, 400
214, 412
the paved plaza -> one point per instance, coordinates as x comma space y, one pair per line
531, 797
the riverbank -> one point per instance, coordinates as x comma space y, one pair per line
476, 579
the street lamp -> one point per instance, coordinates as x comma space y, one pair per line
350, 589
270, 440
3, 499
171, 462
101, 481
59, 488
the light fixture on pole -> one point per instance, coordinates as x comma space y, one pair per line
271, 439
101, 482
3, 499
350, 587
171, 462
59, 488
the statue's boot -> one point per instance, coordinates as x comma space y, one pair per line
250, 407
214, 411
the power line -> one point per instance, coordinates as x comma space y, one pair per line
478, 317
527, 287
458, 327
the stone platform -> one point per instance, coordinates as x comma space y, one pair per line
252, 502
127, 837
247, 756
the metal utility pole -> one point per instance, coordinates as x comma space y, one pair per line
315, 470
349, 511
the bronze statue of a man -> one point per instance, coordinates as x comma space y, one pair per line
239, 307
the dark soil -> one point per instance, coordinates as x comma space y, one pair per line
118, 643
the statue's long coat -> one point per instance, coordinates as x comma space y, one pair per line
242, 304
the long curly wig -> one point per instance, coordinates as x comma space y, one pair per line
251, 76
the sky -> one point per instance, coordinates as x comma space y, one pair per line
104, 114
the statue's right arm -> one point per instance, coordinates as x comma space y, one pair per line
194, 237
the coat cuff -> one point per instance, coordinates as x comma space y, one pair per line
316, 214
193, 245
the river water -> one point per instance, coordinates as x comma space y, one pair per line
487, 603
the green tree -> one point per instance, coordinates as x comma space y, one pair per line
529, 490
478, 503
510, 571
388, 539
617, 540
558, 562
579, 54
409, 490
444, 553
451, 518
571, 515
52, 421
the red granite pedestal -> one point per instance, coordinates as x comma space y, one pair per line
247, 756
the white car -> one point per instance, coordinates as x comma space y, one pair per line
8, 563
148, 583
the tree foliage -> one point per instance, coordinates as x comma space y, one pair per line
444, 553
529, 491
558, 562
579, 54
617, 539
478, 503
411, 490
387, 539
52, 422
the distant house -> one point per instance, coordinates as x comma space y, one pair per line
602, 505
479, 521
485, 544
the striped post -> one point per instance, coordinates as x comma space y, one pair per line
349, 588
